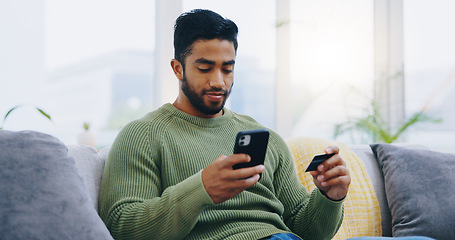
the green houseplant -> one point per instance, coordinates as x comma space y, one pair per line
377, 129
18, 106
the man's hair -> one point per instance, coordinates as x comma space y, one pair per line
200, 24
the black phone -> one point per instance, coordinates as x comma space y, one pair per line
253, 143
318, 159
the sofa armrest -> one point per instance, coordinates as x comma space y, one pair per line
90, 166
364, 152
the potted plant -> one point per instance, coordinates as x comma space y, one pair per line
86, 137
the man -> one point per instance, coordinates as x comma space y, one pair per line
169, 175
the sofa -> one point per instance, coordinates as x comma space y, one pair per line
50, 190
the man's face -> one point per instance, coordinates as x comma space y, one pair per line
208, 76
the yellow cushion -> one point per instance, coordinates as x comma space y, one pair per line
362, 215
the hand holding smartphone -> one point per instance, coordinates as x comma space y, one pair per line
254, 143
318, 159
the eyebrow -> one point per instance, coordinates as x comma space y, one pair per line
232, 62
206, 61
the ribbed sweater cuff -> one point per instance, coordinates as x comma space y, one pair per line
329, 201
194, 192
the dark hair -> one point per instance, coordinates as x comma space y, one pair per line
201, 24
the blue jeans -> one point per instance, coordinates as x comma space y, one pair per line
290, 236
284, 236
394, 238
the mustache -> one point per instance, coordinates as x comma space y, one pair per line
213, 89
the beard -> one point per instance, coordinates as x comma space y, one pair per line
196, 99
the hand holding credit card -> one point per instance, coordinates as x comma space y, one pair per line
318, 159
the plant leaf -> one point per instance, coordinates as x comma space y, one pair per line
12, 109
44, 113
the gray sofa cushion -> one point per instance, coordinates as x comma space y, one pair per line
42, 194
420, 190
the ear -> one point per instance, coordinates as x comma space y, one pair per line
177, 68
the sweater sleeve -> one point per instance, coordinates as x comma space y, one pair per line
132, 203
310, 215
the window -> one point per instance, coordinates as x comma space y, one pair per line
80, 61
96, 62
331, 64
430, 70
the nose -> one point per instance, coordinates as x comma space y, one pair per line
217, 80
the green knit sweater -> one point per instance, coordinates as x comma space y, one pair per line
152, 186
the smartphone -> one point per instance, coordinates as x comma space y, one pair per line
253, 143
318, 159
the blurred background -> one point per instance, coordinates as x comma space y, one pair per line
357, 71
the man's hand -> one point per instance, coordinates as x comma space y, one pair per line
222, 182
332, 176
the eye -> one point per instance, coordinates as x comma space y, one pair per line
204, 70
227, 70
